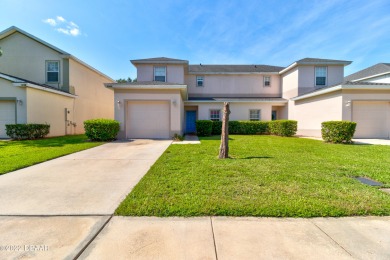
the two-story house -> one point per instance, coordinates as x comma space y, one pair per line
40, 83
171, 94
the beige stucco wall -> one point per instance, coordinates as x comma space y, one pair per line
239, 111
311, 112
45, 107
175, 73
306, 79
94, 99
361, 95
26, 58
176, 110
249, 85
7, 90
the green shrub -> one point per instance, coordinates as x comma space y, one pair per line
101, 129
283, 127
27, 131
217, 128
177, 137
242, 127
338, 131
204, 127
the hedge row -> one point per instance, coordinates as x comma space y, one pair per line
338, 131
27, 131
101, 129
277, 127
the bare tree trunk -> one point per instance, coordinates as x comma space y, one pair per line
224, 148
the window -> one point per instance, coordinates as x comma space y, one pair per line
160, 74
215, 114
52, 71
321, 76
199, 81
267, 81
254, 115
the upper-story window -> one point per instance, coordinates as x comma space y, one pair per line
52, 71
215, 115
267, 81
321, 76
254, 115
160, 74
199, 81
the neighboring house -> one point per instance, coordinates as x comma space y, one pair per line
171, 94
39, 83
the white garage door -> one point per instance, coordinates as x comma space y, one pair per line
7, 116
147, 119
372, 118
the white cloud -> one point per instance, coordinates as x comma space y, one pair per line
50, 21
63, 26
61, 19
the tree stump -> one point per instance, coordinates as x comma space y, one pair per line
224, 148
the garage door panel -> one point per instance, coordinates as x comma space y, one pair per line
7, 116
372, 118
148, 119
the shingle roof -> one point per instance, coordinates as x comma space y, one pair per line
317, 60
147, 83
233, 68
160, 60
20, 80
370, 71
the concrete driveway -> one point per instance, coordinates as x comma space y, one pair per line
53, 210
90, 182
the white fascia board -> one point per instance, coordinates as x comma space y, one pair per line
288, 68
30, 85
163, 87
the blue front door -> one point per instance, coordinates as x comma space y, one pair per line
190, 121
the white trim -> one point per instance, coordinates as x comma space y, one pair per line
254, 119
124, 86
165, 73
196, 79
235, 101
30, 85
339, 87
219, 114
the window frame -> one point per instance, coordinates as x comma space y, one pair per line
264, 81
219, 115
165, 74
197, 81
47, 71
326, 76
252, 118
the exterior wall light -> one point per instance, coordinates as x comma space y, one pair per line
348, 103
19, 101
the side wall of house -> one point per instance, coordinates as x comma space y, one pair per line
311, 112
175, 73
94, 99
247, 85
49, 108
7, 90
26, 58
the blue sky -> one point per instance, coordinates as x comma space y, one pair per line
107, 34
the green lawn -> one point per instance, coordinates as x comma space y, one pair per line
266, 176
19, 154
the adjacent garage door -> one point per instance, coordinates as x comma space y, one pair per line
7, 116
372, 118
147, 119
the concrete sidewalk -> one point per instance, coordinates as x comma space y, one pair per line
242, 238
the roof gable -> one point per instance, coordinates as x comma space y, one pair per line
159, 60
316, 61
375, 70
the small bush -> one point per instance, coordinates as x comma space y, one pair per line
177, 137
101, 129
204, 127
283, 127
338, 131
217, 128
27, 131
